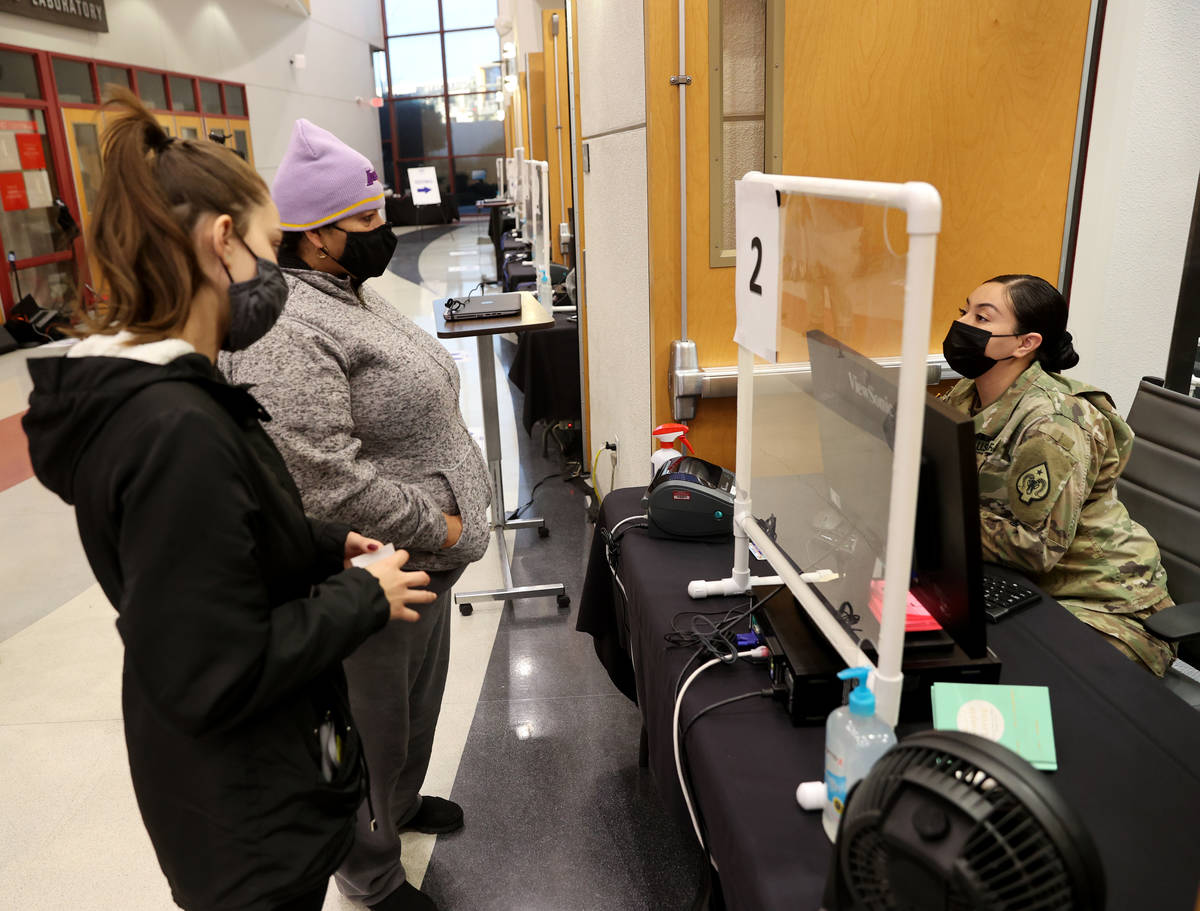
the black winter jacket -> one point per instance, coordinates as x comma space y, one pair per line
235, 614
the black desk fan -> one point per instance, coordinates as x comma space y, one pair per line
947, 820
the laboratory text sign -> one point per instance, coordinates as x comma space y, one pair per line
86, 14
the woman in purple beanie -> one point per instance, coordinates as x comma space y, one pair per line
364, 408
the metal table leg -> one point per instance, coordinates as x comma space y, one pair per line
500, 521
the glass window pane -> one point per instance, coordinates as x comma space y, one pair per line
183, 97
112, 75
389, 169
469, 13
742, 149
240, 143
476, 124
54, 285
743, 56
475, 177
18, 77
470, 57
416, 65
152, 89
235, 101
87, 143
210, 98
74, 81
385, 122
406, 16
420, 128
28, 216
379, 65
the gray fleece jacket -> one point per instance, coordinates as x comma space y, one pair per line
364, 408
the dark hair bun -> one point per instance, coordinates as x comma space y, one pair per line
1064, 356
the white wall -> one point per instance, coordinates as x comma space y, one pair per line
1138, 193
526, 16
247, 41
612, 106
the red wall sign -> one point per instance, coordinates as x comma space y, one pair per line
12, 192
29, 147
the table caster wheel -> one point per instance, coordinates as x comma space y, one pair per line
564, 601
466, 609
543, 531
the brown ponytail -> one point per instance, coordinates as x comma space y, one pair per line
153, 192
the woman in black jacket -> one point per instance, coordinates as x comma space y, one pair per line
235, 609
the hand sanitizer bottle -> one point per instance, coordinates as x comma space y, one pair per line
854, 739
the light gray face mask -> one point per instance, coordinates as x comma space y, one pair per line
255, 304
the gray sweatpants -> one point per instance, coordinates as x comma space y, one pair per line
396, 678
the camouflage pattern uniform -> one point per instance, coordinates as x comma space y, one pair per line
1049, 453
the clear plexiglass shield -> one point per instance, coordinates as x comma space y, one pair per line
825, 414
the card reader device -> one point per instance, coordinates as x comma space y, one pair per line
690, 498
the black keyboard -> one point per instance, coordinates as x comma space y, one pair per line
1002, 597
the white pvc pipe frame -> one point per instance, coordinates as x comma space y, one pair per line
534, 178
517, 182
923, 206
541, 232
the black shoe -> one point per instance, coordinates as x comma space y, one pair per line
436, 816
407, 898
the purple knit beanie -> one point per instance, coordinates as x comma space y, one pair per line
322, 180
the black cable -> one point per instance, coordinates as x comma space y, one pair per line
716, 705
454, 304
731, 617
687, 771
848, 619
516, 513
716, 640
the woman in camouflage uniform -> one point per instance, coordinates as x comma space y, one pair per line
1049, 452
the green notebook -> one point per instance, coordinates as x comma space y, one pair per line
1017, 717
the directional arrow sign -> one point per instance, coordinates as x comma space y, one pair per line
424, 184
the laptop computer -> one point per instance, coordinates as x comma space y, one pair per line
484, 306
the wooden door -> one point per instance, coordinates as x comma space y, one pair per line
190, 126
558, 134
239, 128
85, 136
978, 99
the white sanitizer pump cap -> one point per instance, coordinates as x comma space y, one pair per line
862, 700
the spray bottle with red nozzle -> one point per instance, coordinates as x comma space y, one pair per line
667, 434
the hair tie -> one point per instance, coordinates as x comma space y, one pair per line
160, 141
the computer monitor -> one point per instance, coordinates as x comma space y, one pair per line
947, 566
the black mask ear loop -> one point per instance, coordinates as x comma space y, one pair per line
324, 251
242, 241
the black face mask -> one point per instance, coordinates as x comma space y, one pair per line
255, 304
964, 348
367, 253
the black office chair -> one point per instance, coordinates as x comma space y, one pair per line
1161, 489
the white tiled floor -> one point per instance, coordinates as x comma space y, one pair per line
70, 833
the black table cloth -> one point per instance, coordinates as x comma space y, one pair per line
546, 370
1128, 749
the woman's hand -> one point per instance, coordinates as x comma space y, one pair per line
453, 530
401, 588
357, 545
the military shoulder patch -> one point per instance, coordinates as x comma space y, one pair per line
1034, 484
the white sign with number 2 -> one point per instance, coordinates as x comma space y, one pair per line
757, 294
